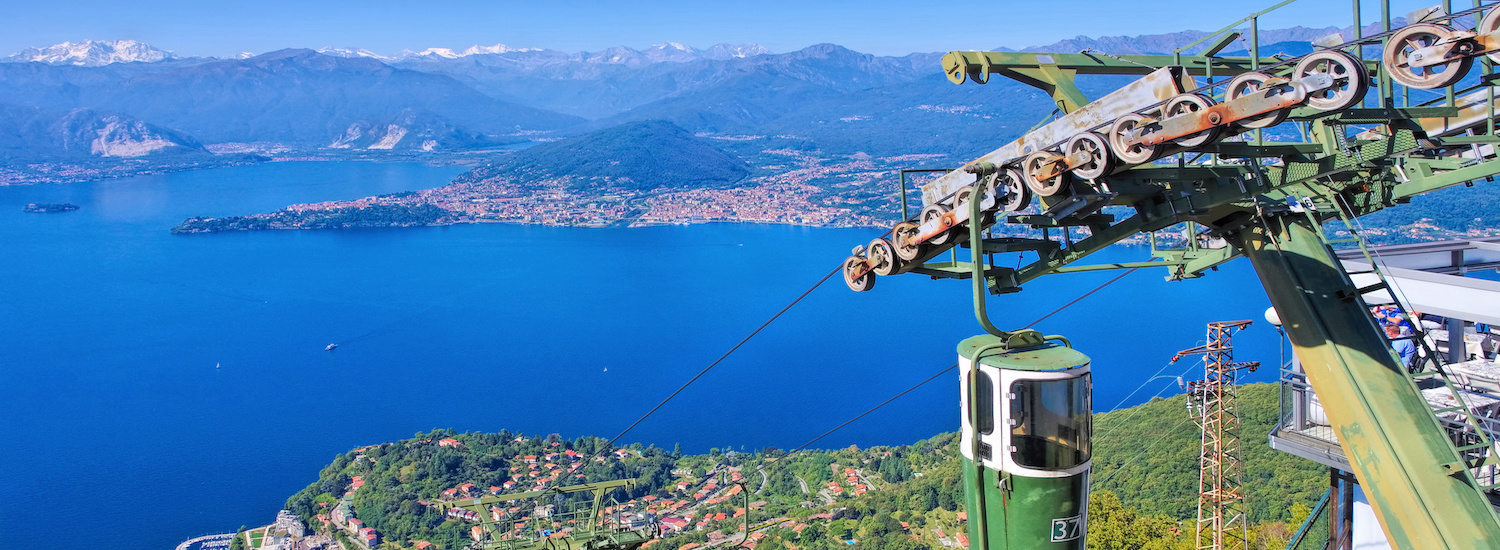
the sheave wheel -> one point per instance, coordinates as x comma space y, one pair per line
1032, 168
961, 199
933, 212
1350, 81
1252, 83
1185, 104
1398, 49
903, 238
883, 256
1016, 196
1100, 160
1136, 154
861, 283
1490, 24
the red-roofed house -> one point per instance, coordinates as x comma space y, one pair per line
370, 537
449, 442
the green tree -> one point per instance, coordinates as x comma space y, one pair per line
239, 540
1112, 526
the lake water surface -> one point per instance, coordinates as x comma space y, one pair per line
155, 387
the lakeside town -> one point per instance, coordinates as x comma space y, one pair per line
794, 188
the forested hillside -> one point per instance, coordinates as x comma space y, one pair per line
903, 498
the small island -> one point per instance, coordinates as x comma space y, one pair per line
49, 208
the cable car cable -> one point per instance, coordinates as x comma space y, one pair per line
716, 362
1085, 295
778, 460
1128, 417
1145, 450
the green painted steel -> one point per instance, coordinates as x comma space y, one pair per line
1268, 207
1047, 357
1026, 512
1411, 474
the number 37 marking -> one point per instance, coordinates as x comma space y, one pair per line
1065, 529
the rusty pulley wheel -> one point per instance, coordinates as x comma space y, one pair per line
856, 276
1252, 83
1396, 58
1186, 104
961, 205
904, 239
934, 213
1033, 166
1350, 80
1100, 160
882, 257
1139, 153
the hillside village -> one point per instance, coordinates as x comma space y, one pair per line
419, 493
696, 501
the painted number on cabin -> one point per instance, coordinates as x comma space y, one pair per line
1065, 529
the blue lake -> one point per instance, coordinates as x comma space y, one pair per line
155, 387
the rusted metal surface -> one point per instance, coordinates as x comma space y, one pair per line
1473, 109
1233, 111
1154, 88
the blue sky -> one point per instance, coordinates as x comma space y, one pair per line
885, 27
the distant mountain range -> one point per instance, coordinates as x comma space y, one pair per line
619, 55
92, 54
442, 99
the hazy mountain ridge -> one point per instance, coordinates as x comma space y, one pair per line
411, 130
289, 96
1164, 44
637, 156
827, 95
35, 133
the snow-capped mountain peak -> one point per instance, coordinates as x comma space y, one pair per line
670, 51
90, 53
449, 53
440, 52
728, 51
497, 48
350, 52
